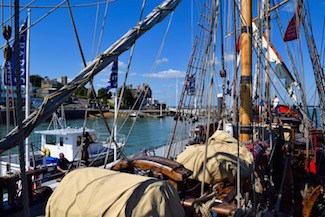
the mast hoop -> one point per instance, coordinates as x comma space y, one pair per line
245, 79
247, 29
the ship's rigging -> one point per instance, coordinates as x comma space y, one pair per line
195, 110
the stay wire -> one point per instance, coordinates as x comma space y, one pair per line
128, 66
103, 27
95, 31
76, 34
11, 16
322, 41
52, 6
147, 88
40, 19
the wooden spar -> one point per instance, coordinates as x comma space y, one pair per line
274, 7
245, 109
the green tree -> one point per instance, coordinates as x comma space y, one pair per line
102, 93
82, 93
128, 98
109, 95
36, 80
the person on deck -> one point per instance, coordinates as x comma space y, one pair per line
275, 105
276, 109
63, 164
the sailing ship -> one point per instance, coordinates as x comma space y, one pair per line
272, 164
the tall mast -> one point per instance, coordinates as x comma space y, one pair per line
245, 109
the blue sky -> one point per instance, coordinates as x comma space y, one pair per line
54, 51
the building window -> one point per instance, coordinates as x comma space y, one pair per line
50, 139
61, 141
79, 141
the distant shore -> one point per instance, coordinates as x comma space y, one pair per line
72, 114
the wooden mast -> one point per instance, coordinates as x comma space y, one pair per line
245, 109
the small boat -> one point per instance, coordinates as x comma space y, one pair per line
136, 115
67, 141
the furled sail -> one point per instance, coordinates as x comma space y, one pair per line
100, 192
222, 159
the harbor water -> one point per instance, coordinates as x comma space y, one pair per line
146, 132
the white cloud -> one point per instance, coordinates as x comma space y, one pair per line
100, 85
170, 73
106, 74
229, 57
162, 60
121, 72
121, 64
104, 79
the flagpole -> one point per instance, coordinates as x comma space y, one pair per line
115, 116
27, 88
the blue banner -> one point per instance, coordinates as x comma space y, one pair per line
9, 67
112, 83
190, 85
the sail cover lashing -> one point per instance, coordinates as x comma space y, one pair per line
99, 192
221, 159
53, 101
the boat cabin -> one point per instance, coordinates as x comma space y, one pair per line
66, 141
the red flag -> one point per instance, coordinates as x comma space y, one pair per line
292, 32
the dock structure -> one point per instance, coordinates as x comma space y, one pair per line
123, 113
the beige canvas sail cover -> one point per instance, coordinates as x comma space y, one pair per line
99, 192
221, 159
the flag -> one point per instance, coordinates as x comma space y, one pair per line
190, 85
112, 83
292, 32
9, 74
238, 45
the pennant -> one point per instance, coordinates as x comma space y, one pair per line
112, 83
190, 85
9, 74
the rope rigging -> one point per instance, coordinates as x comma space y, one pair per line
95, 31
76, 34
214, 46
40, 19
102, 27
137, 29
48, 6
145, 92
52, 101
197, 68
